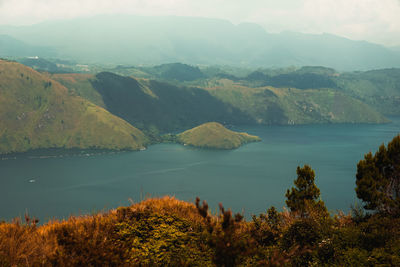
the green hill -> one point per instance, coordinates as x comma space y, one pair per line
214, 135
81, 85
37, 112
150, 104
156, 106
269, 105
378, 88
175, 71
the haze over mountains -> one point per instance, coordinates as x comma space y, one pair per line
128, 39
115, 80
10, 46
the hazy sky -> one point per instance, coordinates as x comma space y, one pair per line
372, 20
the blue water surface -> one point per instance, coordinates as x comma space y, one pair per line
249, 179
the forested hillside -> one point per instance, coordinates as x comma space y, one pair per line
172, 105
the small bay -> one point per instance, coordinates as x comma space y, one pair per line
248, 179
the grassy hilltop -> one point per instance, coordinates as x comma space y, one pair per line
214, 135
38, 112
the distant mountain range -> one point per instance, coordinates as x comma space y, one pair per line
126, 39
12, 47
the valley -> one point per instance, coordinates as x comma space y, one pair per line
155, 103
238, 133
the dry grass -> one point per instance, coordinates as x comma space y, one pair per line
24, 245
168, 231
169, 205
79, 241
71, 77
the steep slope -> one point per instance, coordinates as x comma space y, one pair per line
162, 107
214, 135
80, 84
153, 105
269, 105
37, 112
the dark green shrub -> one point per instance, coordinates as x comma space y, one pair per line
149, 239
225, 237
302, 232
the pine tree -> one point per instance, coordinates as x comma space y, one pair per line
378, 178
305, 193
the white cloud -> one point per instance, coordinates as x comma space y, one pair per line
372, 20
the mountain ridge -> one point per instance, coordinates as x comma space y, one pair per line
155, 40
167, 107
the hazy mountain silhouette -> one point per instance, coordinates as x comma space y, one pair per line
10, 46
127, 39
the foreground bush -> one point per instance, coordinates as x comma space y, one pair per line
168, 232
161, 231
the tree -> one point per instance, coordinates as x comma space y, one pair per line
378, 179
305, 193
224, 235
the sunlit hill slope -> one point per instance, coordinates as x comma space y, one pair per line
37, 112
214, 135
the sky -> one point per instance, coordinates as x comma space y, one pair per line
375, 21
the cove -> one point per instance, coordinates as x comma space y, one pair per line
249, 179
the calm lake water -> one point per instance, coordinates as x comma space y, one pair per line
249, 179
